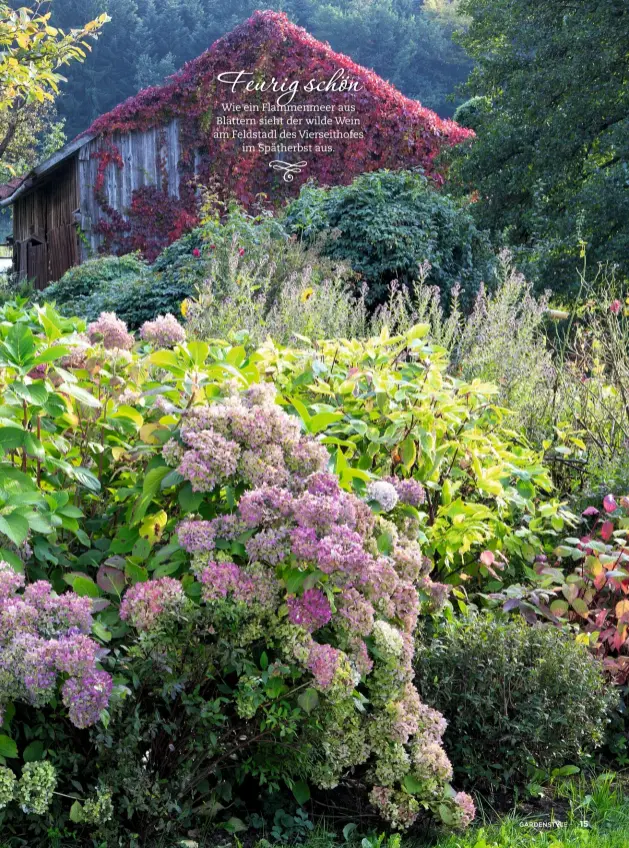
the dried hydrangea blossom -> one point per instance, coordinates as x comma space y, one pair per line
246, 439
385, 494
146, 603
42, 636
111, 331
163, 331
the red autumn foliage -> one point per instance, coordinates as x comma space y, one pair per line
397, 132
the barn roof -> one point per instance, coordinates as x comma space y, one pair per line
18, 186
267, 42
262, 32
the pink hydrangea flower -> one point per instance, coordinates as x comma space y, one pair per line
466, 807
43, 635
163, 331
323, 661
146, 603
112, 331
311, 611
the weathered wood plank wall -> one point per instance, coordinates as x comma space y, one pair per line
44, 229
148, 158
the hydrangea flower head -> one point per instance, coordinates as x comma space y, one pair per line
145, 604
111, 331
163, 331
385, 494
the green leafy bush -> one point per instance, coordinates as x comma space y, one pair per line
173, 277
388, 406
516, 697
387, 224
130, 288
99, 285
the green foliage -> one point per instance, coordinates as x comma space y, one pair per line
388, 405
127, 286
99, 285
216, 683
515, 697
173, 277
260, 283
387, 224
549, 163
470, 113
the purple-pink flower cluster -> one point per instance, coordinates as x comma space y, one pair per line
111, 331
44, 635
246, 439
145, 604
310, 611
163, 331
308, 576
409, 491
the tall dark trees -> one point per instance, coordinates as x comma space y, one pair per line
551, 161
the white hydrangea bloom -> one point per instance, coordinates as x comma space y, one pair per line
384, 493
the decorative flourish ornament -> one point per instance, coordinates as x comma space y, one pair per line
289, 168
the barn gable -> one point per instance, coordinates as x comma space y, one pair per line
136, 175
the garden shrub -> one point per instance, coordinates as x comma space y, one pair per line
99, 285
387, 224
252, 623
128, 287
387, 405
584, 582
515, 697
173, 277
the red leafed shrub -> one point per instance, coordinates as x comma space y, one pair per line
588, 585
393, 132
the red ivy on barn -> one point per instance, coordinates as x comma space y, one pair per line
397, 132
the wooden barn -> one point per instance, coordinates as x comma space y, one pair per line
134, 179
56, 210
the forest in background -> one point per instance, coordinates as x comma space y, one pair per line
407, 42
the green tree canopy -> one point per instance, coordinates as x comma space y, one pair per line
32, 55
550, 163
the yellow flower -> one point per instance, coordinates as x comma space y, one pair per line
184, 308
306, 295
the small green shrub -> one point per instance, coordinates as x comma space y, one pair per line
130, 288
174, 276
99, 285
515, 697
387, 224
